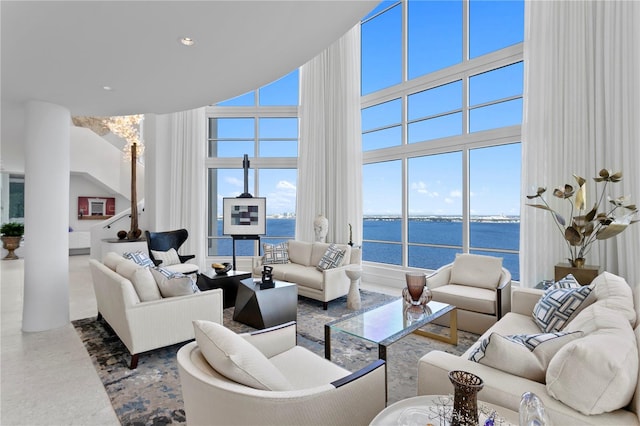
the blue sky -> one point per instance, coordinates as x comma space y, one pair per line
434, 42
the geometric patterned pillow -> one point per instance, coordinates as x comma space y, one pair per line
275, 253
139, 257
567, 282
557, 306
331, 258
532, 341
522, 355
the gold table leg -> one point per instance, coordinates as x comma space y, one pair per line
452, 338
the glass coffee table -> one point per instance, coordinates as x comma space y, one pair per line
386, 324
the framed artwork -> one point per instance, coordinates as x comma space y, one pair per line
244, 216
96, 208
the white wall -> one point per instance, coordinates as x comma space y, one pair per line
12, 138
82, 186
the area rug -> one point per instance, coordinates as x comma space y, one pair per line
151, 394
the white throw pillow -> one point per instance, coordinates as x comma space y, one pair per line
522, 355
597, 373
169, 257
331, 258
236, 359
112, 259
172, 284
613, 292
558, 306
275, 253
476, 271
141, 278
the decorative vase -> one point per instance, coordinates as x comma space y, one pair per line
10, 244
465, 397
320, 228
416, 292
578, 262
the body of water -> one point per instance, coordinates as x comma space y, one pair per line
382, 241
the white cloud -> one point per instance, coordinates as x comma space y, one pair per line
421, 188
234, 181
283, 198
448, 200
286, 185
456, 193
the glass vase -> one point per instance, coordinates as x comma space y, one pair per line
415, 286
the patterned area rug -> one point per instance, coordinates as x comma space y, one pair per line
151, 394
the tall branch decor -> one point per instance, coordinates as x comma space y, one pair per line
586, 227
128, 128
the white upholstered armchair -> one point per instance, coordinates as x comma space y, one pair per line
309, 390
478, 286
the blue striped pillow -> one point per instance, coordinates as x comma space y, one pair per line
558, 306
567, 282
275, 254
331, 258
139, 257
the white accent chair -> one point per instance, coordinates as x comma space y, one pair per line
321, 392
478, 286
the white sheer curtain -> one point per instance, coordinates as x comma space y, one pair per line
187, 180
581, 114
330, 153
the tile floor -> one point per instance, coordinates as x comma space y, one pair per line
47, 378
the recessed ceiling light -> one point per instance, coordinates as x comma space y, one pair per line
107, 88
187, 41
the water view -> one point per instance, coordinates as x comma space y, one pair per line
433, 240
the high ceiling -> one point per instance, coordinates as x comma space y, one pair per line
65, 52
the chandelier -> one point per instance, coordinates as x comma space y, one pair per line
128, 128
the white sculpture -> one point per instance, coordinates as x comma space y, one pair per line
321, 227
353, 297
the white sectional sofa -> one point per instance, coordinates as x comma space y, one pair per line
303, 257
146, 325
590, 378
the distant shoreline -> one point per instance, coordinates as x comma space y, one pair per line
431, 218
492, 219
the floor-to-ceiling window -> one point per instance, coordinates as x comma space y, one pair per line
264, 125
441, 114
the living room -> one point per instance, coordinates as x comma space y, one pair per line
549, 156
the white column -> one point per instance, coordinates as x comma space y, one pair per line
46, 248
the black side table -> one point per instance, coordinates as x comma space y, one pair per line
265, 307
227, 282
